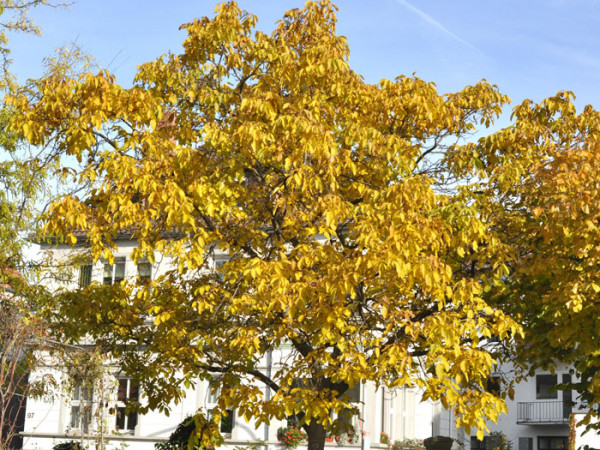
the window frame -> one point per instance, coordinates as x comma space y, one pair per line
542, 392
85, 275
353, 396
227, 423
82, 400
144, 279
525, 443
119, 261
218, 262
123, 402
564, 439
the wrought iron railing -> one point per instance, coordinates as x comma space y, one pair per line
543, 412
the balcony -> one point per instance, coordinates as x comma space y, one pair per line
543, 413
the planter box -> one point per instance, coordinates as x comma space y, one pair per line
438, 443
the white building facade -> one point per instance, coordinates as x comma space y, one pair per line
71, 412
538, 417
90, 416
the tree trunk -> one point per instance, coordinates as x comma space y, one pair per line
316, 436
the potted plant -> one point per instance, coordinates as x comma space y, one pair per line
290, 436
408, 444
385, 439
352, 437
346, 438
438, 443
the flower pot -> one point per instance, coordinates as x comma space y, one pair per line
438, 443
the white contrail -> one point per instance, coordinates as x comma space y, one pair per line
430, 20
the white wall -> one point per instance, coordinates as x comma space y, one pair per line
507, 423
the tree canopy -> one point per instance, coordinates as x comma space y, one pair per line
361, 224
544, 190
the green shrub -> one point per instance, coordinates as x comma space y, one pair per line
69, 445
190, 428
180, 437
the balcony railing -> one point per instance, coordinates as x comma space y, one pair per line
543, 412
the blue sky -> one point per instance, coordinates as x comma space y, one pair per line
530, 48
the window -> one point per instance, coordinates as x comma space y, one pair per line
347, 419
81, 408
525, 443
567, 396
213, 395
85, 275
553, 442
114, 273
227, 421
128, 392
219, 262
144, 271
545, 387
